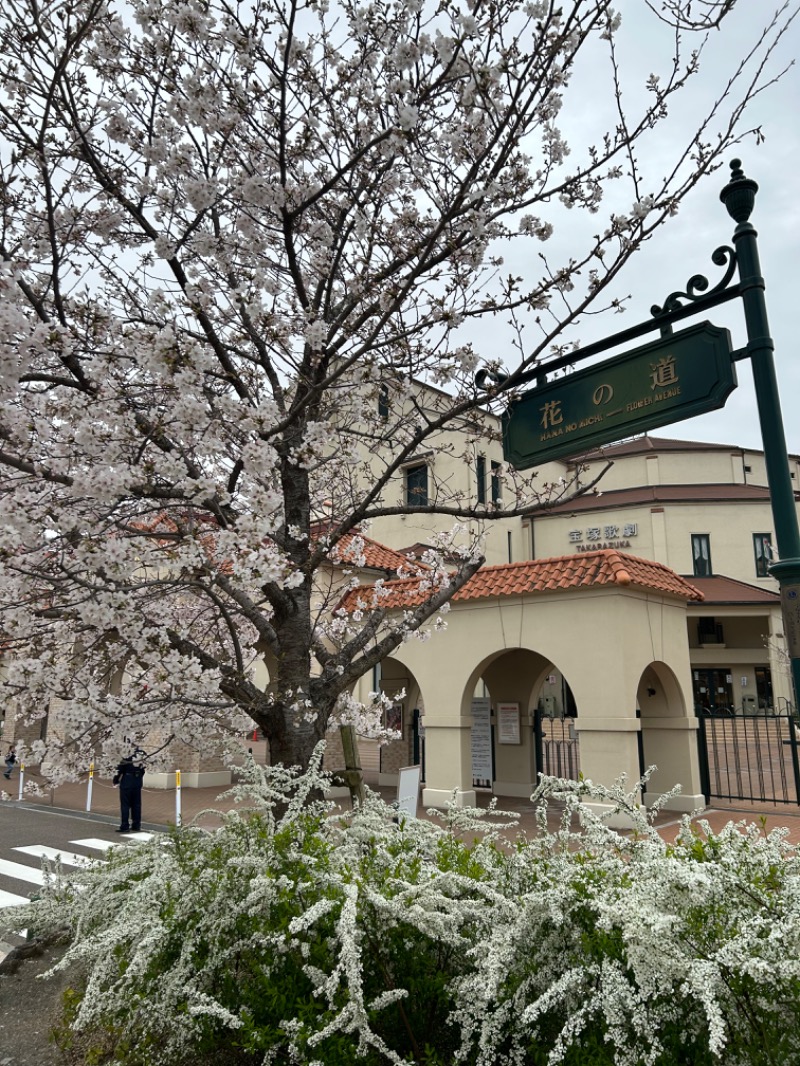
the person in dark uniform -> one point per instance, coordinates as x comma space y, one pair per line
129, 779
10, 760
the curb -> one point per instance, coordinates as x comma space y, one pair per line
85, 816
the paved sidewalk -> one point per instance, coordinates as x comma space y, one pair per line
159, 807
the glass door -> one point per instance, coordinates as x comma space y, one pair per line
713, 690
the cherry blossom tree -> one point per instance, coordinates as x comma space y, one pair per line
230, 232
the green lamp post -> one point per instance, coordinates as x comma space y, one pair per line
739, 198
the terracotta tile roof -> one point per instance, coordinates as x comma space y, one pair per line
163, 530
417, 550
162, 527
661, 494
586, 570
376, 556
727, 590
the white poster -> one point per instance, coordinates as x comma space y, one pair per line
481, 743
508, 723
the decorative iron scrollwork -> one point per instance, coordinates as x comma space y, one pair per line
696, 286
489, 378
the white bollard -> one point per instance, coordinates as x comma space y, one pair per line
177, 797
21, 779
89, 787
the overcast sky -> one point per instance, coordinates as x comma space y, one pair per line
684, 247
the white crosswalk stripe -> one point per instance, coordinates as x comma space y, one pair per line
28, 876
33, 874
66, 858
8, 899
96, 844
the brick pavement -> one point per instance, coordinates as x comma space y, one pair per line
159, 807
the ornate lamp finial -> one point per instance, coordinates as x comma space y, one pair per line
739, 195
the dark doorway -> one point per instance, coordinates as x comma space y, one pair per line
713, 690
763, 688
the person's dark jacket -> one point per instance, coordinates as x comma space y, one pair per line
128, 774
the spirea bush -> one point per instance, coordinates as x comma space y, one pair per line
292, 934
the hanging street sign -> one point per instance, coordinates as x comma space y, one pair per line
676, 377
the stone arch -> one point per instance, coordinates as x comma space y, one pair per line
659, 695
515, 677
668, 737
381, 763
396, 678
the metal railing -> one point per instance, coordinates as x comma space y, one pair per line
751, 756
556, 746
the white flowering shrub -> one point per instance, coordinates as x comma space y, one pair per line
295, 935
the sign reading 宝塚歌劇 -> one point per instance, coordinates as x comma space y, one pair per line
676, 377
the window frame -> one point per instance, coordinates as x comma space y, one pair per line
497, 485
383, 401
762, 559
480, 474
423, 498
701, 540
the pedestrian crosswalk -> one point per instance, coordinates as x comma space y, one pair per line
17, 877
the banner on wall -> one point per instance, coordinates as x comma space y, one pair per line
482, 743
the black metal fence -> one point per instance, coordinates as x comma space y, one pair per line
556, 746
750, 756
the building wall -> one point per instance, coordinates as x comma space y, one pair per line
664, 532
610, 643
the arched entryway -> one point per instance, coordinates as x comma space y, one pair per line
668, 737
403, 715
522, 716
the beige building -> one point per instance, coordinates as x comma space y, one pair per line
704, 511
629, 669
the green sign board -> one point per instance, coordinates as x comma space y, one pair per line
675, 377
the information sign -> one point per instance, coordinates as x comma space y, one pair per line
508, 723
676, 377
790, 602
481, 743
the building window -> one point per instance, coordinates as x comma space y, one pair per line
496, 485
417, 485
709, 631
480, 470
762, 546
383, 400
701, 554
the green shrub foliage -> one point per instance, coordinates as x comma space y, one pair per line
292, 934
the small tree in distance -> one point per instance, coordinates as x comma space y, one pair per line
228, 231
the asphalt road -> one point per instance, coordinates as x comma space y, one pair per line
50, 831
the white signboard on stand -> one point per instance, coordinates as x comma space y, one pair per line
408, 790
482, 743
